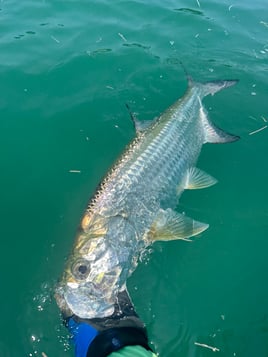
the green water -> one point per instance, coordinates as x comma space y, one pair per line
67, 68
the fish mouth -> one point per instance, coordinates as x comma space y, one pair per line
85, 301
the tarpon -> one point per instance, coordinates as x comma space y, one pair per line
134, 205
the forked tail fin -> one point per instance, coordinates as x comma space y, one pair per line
214, 134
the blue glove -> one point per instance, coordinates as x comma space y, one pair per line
82, 335
98, 337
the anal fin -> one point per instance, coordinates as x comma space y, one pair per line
170, 225
197, 179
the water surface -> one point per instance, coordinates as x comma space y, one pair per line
67, 68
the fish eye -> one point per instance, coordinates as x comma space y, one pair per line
80, 269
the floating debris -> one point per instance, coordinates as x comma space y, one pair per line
258, 130
264, 23
75, 171
214, 349
122, 36
252, 117
44, 354
55, 39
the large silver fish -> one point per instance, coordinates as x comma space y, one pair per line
135, 203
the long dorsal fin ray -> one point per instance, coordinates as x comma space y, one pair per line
139, 125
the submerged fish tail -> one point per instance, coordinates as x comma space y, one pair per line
213, 134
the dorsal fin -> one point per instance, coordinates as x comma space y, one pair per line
138, 124
189, 78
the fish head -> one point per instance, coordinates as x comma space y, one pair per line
90, 283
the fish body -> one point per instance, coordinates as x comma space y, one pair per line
135, 203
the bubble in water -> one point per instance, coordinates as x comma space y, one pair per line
44, 298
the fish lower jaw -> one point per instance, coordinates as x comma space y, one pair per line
63, 306
87, 311
93, 312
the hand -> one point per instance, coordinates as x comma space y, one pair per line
102, 336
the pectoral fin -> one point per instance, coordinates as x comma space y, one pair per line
170, 225
196, 179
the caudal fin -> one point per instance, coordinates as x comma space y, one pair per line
214, 134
